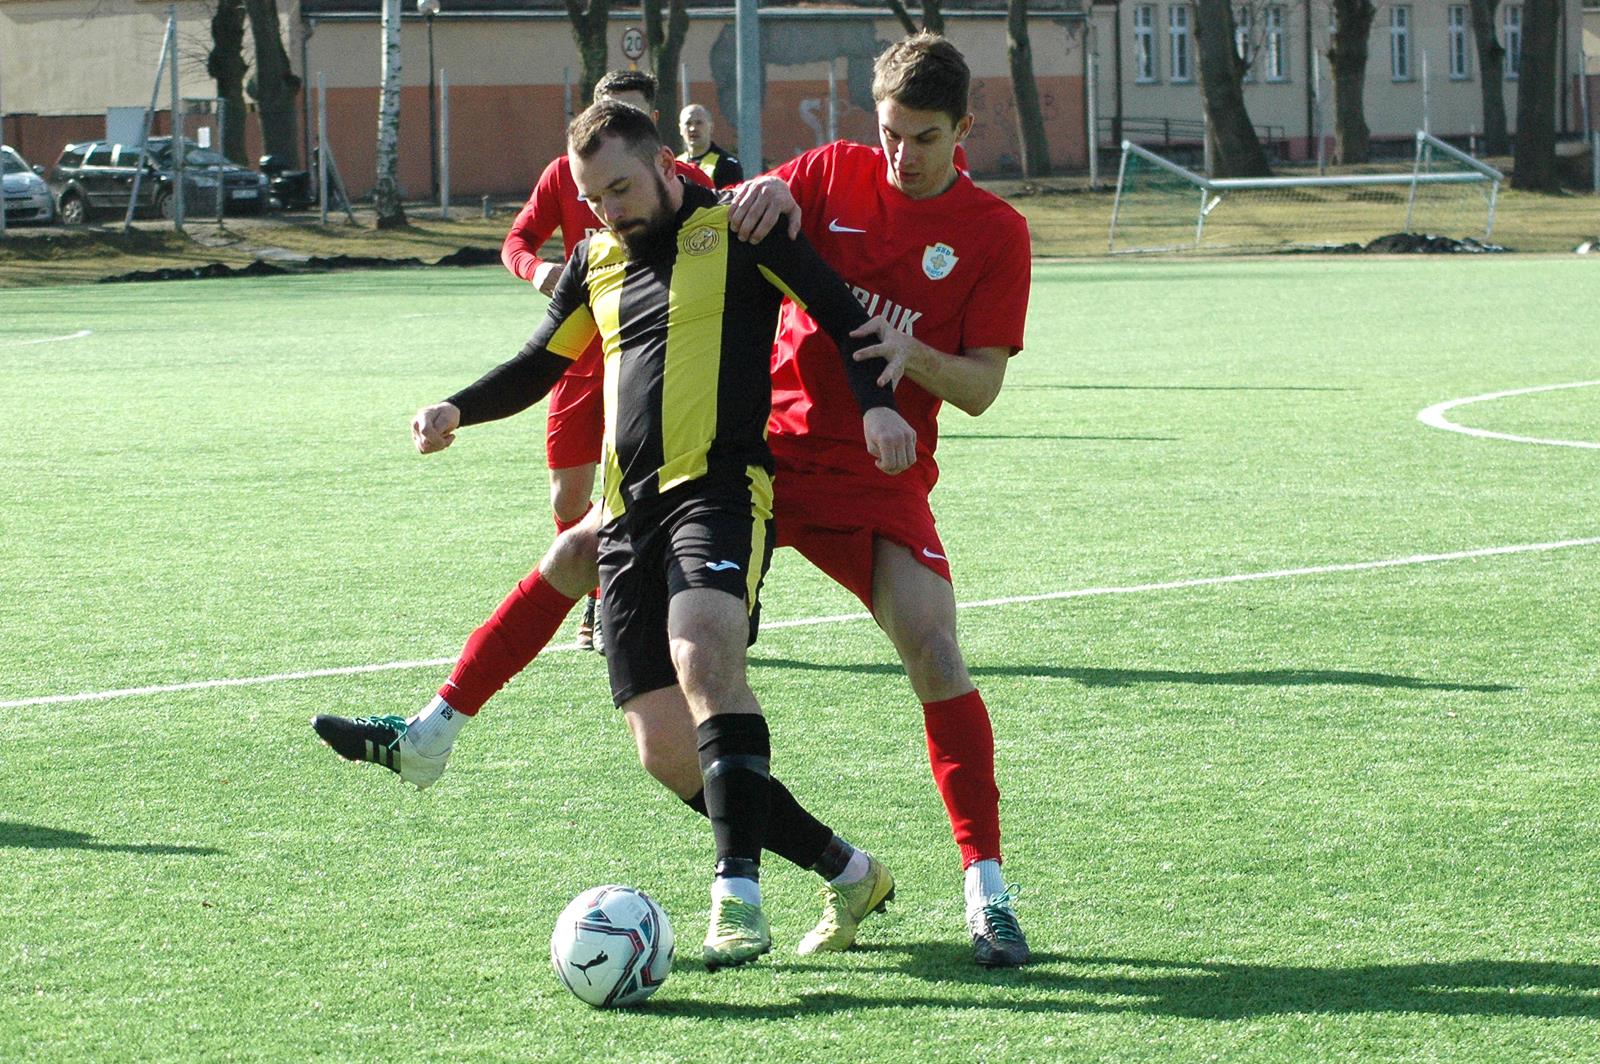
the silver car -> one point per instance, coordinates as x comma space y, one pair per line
27, 197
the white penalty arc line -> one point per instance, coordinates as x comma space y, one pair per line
1434, 416
808, 622
79, 335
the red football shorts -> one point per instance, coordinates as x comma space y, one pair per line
832, 518
575, 424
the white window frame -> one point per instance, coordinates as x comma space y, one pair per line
1400, 42
1146, 57
1241, 40
1180, 43
1460, 55
1275, 43
1511, 32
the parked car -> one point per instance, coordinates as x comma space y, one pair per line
98, 177
27, 197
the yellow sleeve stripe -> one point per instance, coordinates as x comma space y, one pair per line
573, 336
780, 286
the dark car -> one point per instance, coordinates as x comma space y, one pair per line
97, 177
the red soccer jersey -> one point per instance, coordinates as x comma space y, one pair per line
952, 271
556, 204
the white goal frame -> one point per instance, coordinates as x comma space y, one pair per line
1213, 190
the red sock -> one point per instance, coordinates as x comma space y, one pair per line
562, 526
505, 643
961, 751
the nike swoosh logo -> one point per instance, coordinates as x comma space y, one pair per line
926, 553
721, 567
835, 227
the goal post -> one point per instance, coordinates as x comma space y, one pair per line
1161, 205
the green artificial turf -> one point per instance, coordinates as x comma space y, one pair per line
1343, 814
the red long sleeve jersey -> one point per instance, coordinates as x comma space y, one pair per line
951, 271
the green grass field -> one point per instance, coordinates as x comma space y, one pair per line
1339, 814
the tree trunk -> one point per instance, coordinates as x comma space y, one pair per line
1347, 56
386, 193
907, 23
227, 67
589, 32
1491, 77
276, 84
1238, 150
1535, 168
666, 47
932, 17
1030, 117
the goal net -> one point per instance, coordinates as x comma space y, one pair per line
1161, 206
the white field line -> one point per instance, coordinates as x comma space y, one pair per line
79, 335
806, 622
1434, 416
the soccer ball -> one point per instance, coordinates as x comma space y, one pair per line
612, 946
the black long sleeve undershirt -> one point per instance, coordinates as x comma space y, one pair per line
511, 387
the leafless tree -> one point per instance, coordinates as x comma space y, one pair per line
1238, 151
1491, 77
1535, 168
1347, 56
386, 192
1030, 116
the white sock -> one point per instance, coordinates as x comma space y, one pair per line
433, 730
983, 882
746, 890
855, 870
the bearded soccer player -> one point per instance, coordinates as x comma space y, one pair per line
572, 425
950, 264
685, 313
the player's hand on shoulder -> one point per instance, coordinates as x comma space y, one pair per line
757, 206
890, 439
893, 346
434, 427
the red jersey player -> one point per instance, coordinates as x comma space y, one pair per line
947, 265
944, 268
574, 420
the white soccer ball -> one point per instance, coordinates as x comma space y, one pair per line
612, 946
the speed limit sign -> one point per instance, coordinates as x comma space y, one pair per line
633, 42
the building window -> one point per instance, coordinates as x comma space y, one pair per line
1275, 45
1459, 71
1400, 42
1144, 43
1181, 63
1241, 41
1513, 36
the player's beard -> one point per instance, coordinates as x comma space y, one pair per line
658, 230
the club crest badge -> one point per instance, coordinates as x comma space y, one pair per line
938, 260
701, 241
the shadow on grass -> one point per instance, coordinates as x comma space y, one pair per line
1175, 388
36, 837
1059, 983
1041, 436
1092, 677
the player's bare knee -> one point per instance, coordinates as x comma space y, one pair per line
709, 673
935, 660
571, 563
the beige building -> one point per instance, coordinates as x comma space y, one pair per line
1422, 69
511, 65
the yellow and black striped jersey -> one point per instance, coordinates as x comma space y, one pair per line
686, 330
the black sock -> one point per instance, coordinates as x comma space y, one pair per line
735, 759
830, 864
792, 833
